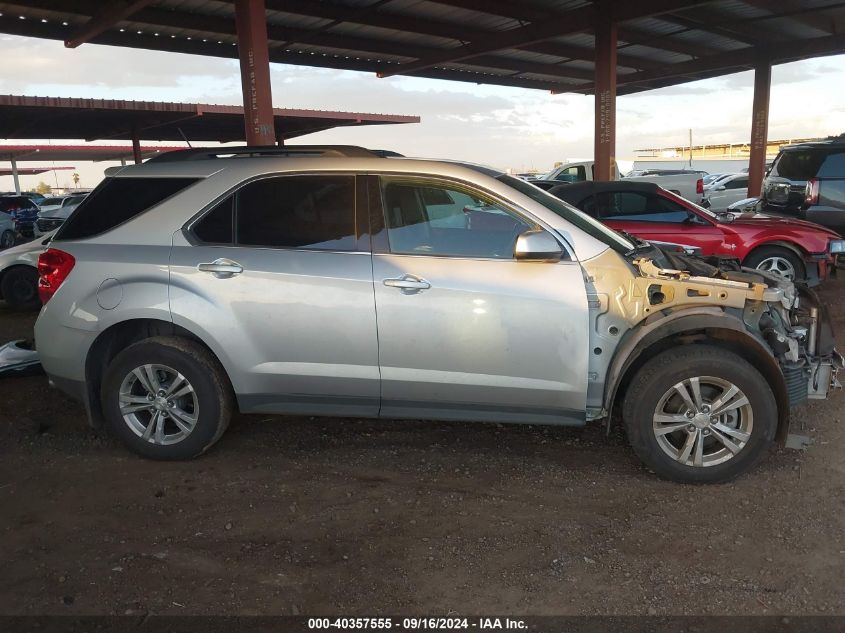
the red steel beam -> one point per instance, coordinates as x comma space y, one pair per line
253, 49
111, 13
605, 97
759, 125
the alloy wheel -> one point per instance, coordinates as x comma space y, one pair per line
703, 421
778, 265
158, 404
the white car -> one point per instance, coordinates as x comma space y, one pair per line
19, 273
52, 216
723, 193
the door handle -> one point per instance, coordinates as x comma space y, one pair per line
408, 284
221, 268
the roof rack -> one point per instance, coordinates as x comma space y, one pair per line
300, 151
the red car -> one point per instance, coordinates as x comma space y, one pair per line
795, 249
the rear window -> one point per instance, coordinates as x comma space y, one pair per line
117, 200
798, 164
834, 166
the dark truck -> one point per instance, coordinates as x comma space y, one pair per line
807, 180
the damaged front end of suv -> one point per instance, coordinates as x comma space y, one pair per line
662, 301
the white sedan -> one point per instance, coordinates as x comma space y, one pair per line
724, 192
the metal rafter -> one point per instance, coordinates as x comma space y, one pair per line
566, 23
339, 14
110, 13
725, 63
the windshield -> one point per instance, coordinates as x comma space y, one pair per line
48, 202
569, 213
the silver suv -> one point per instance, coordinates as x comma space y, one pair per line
334, 281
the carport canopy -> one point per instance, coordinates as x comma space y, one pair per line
600, 47
26, 117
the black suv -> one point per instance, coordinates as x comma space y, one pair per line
808, 180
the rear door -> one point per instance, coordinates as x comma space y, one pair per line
651, 216
465, 331
276, 280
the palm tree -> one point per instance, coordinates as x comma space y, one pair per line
75, 180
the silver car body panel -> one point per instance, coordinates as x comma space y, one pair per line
306, 331
296, 331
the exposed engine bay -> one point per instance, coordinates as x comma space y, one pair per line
627, 312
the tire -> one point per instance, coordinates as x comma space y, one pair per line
7, 239
653, 392
205, 410
776, 259
20, 288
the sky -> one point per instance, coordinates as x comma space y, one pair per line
505, 127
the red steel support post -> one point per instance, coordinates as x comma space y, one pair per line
136, 146
251, 23
759, 125
605, 94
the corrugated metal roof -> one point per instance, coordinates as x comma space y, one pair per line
546, 44
24, 117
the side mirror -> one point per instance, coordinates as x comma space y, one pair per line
537, 246
721, 188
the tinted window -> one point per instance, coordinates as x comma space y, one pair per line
217, 226
11, 203
798, 164
737, 183
117, 200
833, 166
316, 212
633, 206
421, 222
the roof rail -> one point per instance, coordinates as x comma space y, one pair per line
246, 151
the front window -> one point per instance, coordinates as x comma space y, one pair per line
428, 218
577, 218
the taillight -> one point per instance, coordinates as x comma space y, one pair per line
53, 268
699, 185
811, 193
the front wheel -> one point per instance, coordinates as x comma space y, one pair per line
699, 414
777, 260
167, 398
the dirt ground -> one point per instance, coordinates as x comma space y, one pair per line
350, 517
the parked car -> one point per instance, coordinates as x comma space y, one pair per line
710, 178
253, 282
19, 274
22, 211
53, 216
807, 180
689, 185
723, 193
794, 249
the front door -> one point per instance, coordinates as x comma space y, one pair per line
465, 331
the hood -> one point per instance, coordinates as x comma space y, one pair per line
761, 221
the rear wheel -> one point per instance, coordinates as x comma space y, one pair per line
778, 260
167, 398
20, 288
699, 414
